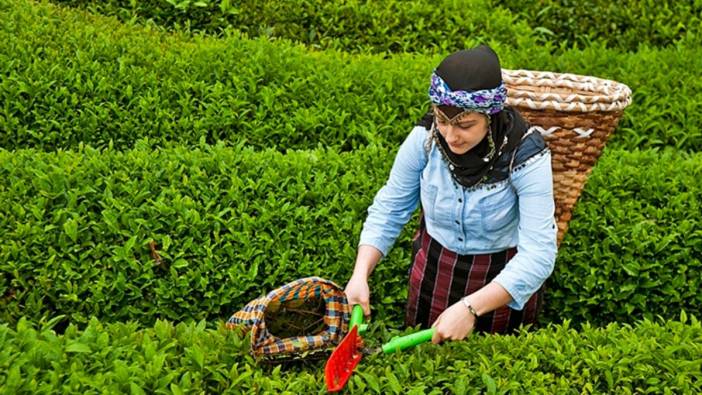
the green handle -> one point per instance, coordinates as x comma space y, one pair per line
356, 316
411, 340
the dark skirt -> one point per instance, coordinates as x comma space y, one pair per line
440, 277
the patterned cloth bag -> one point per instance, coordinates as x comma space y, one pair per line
302, 319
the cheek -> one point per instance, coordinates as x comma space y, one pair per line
482, 131
474, 135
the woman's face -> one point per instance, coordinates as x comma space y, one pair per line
461, 132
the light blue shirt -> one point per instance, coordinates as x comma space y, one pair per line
479, 220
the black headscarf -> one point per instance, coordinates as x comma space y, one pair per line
472, 70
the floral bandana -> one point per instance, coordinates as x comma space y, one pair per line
487, 101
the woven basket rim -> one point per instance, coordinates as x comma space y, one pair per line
582, 93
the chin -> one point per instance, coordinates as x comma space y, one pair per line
458, 151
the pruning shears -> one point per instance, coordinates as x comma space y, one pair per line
348, 353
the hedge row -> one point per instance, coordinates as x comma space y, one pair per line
422, 26
350, 26
649, 357
70, 77
635, 240
231, 224
624, 25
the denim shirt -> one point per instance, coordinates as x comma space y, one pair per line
483, 219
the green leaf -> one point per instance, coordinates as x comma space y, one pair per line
180, 263
78, 348
372, 381
129, 245
241, 378
489, 383
135, 389
52, 322
394, 383
196, 355
71, 229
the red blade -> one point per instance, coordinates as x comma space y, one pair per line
342, 361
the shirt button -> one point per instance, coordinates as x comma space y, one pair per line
458, 222
460, 200
460, 239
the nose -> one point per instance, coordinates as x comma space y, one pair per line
451, 135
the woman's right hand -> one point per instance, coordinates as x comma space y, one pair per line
357, 292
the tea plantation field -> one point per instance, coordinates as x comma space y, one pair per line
246, 140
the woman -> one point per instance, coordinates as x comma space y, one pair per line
487, 236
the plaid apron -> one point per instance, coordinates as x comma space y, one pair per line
440, 277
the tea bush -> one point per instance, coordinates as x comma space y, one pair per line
231, 224
635, 241
649, 357
71, 77
186, 175
422, 26
228, 223
625, 25
349, 26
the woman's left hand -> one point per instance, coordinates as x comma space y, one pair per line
455, 323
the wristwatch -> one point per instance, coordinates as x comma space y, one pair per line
470, 308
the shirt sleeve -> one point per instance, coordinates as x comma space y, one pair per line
395, 202
536, 249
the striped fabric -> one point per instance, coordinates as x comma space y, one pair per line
291, 297
440, 278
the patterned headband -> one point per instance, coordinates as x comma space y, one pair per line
487, 101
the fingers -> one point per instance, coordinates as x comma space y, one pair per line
357, 293
366, 308
438, 336
365, 304
444, 330
436, 339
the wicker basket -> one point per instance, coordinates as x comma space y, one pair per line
576, 114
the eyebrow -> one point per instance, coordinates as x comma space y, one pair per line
463, 123
466, 122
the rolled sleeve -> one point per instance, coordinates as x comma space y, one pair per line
526, 272
395, 202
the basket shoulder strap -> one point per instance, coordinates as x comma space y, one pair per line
534, 149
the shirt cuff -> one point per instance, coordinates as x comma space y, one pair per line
381, 244
517, 291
